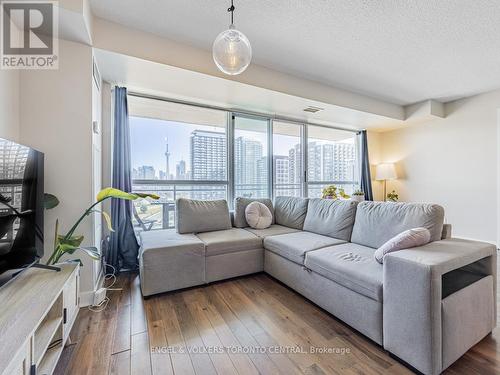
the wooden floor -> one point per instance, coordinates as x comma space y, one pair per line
136, 336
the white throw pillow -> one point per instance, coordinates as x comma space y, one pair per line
258, 215
404, 240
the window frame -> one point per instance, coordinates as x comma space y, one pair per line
229, 182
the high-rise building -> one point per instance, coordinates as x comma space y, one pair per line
314, 161
282, 180
180, 171
208, 155
295, 163
146, 172
250, 169
338, 162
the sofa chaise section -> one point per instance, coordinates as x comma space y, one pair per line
170, 261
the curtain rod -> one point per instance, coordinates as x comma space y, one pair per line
237, 111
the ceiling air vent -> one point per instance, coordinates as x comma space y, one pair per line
312, 109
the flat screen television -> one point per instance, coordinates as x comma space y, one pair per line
21, 208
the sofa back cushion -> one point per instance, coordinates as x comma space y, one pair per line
290, 211
193, 216
240, 204
333, 218
377, 222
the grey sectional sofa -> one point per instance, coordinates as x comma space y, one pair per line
426, 305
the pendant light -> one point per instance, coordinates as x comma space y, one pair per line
231, 49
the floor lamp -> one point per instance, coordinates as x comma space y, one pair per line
384, 172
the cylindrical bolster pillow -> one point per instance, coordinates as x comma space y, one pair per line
258, 215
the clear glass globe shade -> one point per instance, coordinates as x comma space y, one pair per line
232, 52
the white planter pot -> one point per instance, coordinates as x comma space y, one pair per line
358, 198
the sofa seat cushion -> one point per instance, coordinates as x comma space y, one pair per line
349, 265
229, 241
273, 230
294, 246
168, 239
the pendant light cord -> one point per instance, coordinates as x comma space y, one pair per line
231, 9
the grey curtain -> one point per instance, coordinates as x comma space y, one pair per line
366, 179
123, 247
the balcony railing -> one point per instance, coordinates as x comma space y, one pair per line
160, 214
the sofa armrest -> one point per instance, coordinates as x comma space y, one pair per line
413, 293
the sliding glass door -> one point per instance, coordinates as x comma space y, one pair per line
288, 171
331, 160
251, 156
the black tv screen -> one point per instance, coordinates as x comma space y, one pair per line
21, 207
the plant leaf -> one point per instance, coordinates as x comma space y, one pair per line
91, 252
75, 241
115, 193
147, 195
50, 201
107, 218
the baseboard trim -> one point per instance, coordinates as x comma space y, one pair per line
87, 298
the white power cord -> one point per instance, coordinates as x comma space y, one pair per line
104, 303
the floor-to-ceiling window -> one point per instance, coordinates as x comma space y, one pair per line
177, 151
183, 150
288, 171
251, 157
331, 159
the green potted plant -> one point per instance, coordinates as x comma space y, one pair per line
70, 242
330, 192
358, 195
393, 196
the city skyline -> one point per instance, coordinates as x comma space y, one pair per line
326, 162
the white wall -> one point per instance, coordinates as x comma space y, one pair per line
56, 118
9, 104
451, 161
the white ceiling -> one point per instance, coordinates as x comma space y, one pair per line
402, 51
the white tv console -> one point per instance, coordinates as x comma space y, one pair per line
37, 311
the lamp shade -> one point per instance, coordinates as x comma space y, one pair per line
386, 171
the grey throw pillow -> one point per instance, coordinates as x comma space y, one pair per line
405, 240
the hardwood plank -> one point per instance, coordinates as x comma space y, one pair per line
221, 360
138, 316
201, 360
140, 357
181, 361
121, 341
120, 363
161, 362
241, 362
262, 362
